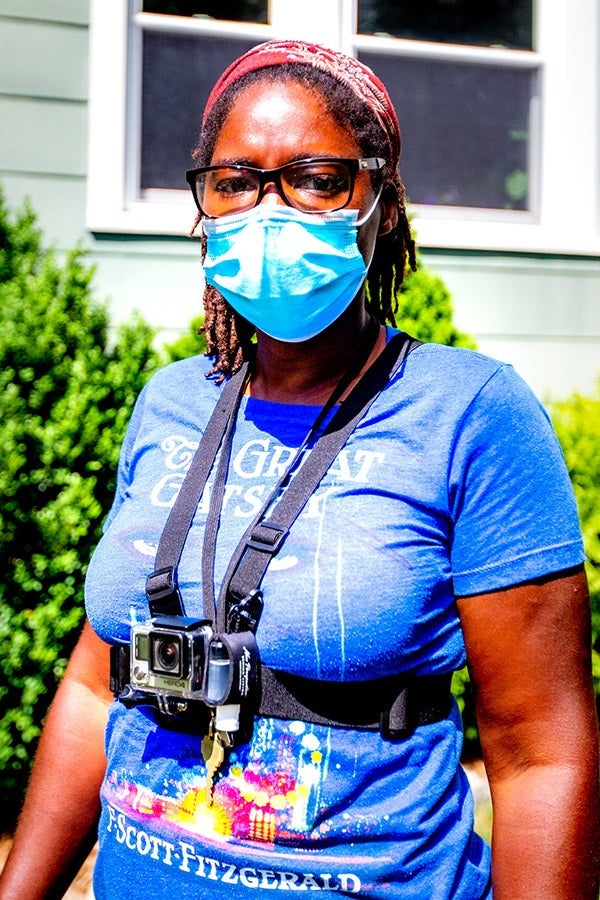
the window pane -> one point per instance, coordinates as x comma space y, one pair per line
232, 10
465, 128
487, 23
179, 72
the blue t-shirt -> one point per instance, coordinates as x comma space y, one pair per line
453, 484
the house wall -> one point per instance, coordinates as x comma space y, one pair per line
43, 111
542, 313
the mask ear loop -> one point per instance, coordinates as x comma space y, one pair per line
371, 209
366, 218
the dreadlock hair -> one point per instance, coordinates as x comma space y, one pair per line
228, 335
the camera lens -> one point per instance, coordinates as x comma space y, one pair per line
167, 655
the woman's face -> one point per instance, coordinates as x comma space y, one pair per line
271, 124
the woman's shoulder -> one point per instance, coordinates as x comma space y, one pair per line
458, 369
180, 392
444, 384
440, 358
186, 377
192, 369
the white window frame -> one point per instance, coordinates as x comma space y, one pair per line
565, 155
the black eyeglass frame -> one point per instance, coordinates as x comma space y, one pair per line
268, 176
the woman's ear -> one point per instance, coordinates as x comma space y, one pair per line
389, 209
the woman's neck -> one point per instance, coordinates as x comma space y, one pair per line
307, 373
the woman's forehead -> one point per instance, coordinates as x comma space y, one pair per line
284, 118
276, 96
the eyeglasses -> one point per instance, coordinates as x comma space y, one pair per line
310, 185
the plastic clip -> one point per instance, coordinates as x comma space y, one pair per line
244, 615
268, 537
163, 594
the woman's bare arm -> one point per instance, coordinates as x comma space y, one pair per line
529, 656
62, 803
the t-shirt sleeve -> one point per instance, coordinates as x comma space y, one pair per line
511, 499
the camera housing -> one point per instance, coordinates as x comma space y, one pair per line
187, 672
168, 656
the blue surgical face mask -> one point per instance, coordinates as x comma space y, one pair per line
290, 274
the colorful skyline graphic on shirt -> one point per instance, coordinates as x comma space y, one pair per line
270, 791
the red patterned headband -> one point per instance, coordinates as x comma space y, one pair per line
361, 80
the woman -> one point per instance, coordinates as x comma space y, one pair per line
445, 529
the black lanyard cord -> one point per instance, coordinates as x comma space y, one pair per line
264, 537
213, 518
218, 489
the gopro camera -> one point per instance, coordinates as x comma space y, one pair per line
168, 656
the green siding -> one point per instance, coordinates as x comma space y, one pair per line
71, 11
43, 60
160, 279
58, 201
513, 295
42, 136
43, 110
542, 314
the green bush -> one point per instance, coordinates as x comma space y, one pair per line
425, 310
66, 395
577, 424
191, 343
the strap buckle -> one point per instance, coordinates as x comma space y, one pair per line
163, 593
267, 537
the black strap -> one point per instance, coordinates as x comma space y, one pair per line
220, 612
263, 538
395, 706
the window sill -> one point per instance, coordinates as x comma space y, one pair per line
434, 227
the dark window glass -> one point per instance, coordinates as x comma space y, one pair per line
179, 72
465, 130
487, 23
232, 10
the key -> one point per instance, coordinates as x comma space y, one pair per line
213, 763
207, 744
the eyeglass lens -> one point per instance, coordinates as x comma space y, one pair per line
309, 186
